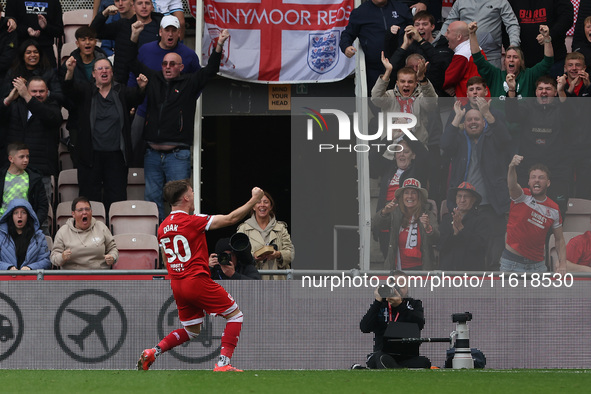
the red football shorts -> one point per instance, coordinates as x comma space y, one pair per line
198, 295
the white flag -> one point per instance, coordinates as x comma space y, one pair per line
279, 41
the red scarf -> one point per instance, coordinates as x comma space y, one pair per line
406, 104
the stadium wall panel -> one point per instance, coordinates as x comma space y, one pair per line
100, 324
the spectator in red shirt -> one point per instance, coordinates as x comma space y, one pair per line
578, 253
462, 67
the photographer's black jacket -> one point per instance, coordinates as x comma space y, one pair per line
243, 271
378, 316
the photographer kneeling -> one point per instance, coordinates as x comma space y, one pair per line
397, 307
232, 259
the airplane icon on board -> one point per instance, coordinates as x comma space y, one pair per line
95, 324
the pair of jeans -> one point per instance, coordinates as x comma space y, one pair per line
510, 262
161, 167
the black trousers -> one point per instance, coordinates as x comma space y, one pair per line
105, 180
382, 360
495, 243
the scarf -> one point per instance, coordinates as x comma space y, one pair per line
265, 234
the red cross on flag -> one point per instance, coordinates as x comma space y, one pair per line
279, 41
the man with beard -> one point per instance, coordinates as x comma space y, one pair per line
531, 216
544, 135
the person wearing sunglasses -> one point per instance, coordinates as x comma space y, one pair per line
170, 116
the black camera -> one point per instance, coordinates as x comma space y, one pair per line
225, 258
461, 317
389, 291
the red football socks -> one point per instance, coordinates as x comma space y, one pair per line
175, 338
230, 338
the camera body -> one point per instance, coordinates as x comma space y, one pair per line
461, 317
389, 291
240, 245
225, 258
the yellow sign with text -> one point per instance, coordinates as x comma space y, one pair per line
279, 97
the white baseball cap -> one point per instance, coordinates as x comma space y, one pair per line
170, 20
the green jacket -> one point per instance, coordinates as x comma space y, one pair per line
526, 79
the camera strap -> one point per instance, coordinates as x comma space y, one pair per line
390, 312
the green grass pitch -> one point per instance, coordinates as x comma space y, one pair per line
359, 381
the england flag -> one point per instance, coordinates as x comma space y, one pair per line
279, 41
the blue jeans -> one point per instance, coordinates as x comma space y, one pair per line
511, 262
159, 168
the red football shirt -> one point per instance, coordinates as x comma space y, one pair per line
529, 223
182, 237
578, 250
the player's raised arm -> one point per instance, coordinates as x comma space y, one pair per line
514, 188
238, 214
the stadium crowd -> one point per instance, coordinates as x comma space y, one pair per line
135, 108
505, 155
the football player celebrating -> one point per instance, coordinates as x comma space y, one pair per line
182, 239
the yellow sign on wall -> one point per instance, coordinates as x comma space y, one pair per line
279, 97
